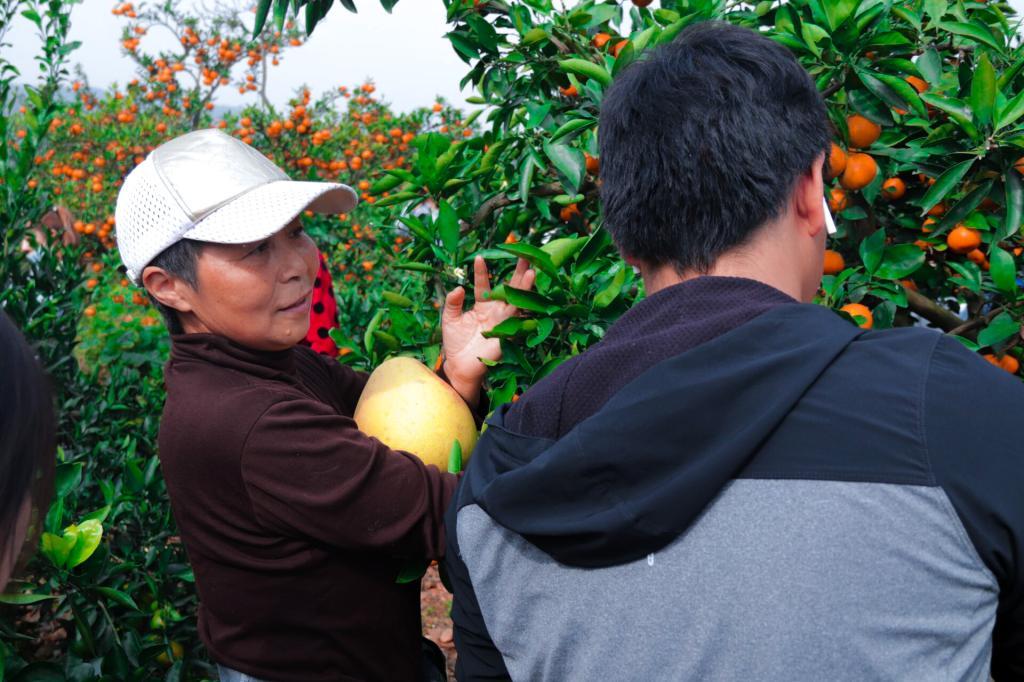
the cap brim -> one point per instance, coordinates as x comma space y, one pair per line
267, 209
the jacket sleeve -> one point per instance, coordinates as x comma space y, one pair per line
479, 658
311, 473
971, 418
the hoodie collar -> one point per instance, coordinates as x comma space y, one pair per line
631, 478
695, 299
222, 351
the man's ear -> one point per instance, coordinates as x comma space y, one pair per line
169, 290
807, 195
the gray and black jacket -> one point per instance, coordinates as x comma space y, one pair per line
733, 486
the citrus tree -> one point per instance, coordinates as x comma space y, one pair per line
925, 98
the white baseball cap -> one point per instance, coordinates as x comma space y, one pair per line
210, 187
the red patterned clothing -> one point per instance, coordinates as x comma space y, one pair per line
323, 315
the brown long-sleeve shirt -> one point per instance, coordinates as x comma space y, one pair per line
296, 523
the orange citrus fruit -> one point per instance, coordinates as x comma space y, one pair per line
963, 239
894, 189
837, 200
856, 310
860, 171
863, 132
834, 263
836, 161
918, 84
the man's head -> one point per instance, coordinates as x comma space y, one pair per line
714, 147
210, 227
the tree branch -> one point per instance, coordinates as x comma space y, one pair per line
833, 88
500, 201
932, 311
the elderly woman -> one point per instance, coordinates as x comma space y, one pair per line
26, 444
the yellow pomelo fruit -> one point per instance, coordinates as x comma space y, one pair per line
408, 407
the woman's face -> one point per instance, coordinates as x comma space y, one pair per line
258, 294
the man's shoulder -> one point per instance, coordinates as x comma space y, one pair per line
538, 411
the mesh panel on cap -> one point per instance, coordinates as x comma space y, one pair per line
263, 211
147, 219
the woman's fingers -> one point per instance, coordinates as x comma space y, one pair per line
481, 278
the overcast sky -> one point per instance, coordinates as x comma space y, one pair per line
405, 52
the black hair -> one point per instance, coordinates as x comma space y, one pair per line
27, 433
701, 144
178, 259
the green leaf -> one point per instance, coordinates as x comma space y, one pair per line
368, 338
587, 69
626, 56
975, 31
936, 9
33, 16
262, 9
867, 105
669, 33
905, 91
900, 261
872, 250
1010, 112
535, 256
1014, 205
455, 457
415, 267
412, 572
386, 184
1003, 270
893, 91
572, 126
983, 91
970, 275
963, 208
398, 198
534, 35
562, 249
280, 13
396, 299
89, 534
812, 35
25, 599
998, 330
390, 341
118, 596
57, 548
838, 11
526, 177
525, 300
510, 327
1009, 75
957, 110
967, 343
68, 477
544, 329
448, 227
944, 185
930, 65
569, 161
611, 291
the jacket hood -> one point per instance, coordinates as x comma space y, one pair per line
631, 478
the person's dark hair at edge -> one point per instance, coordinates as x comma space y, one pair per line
27, 434
702, 142
178, 259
